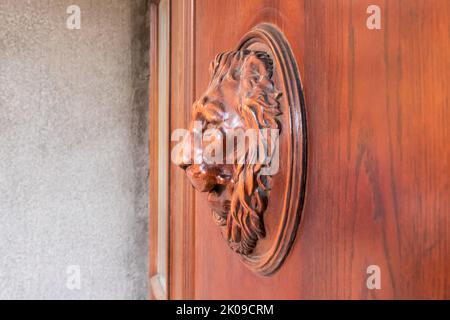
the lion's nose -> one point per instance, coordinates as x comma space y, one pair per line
182, 157
182, 161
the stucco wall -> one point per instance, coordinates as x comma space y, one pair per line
73, 149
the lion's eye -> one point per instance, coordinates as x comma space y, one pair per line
213, 113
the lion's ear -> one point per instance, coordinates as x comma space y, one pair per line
254, 67
259, 63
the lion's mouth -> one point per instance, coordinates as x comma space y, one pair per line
219, 200
215, 181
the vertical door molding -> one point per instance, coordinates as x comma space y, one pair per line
181, 195
159, 149
172, 200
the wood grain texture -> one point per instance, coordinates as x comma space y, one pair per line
379, 158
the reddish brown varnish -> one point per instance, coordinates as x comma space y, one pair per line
378, 114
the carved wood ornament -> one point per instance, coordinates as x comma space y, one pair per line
257, 86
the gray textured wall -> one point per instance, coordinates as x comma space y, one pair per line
73, 149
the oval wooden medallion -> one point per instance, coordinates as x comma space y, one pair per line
256, 191
285, 201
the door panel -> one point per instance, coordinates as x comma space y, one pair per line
219, 272
377, 104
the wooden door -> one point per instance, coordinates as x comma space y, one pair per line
378, 161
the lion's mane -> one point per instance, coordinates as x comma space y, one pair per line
258, 107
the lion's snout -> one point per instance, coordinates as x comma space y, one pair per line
202, 177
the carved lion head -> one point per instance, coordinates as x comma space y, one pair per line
240, 96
